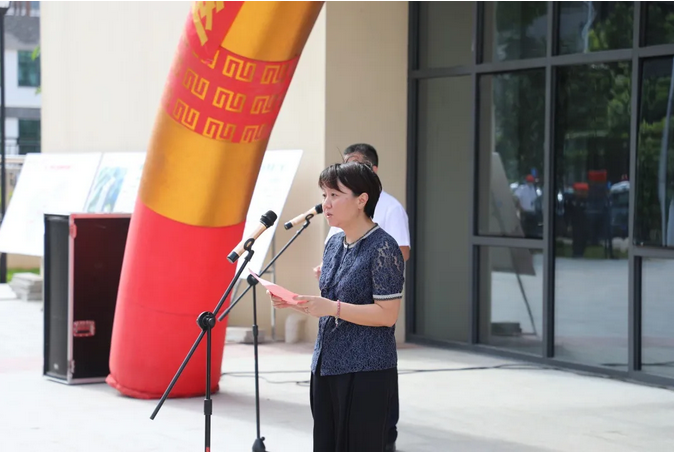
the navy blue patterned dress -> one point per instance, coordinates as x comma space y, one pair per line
370, 269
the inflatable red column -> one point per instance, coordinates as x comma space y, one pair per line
230, 75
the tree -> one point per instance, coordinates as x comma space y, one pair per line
35, 55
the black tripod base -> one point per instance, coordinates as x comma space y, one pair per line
258, 445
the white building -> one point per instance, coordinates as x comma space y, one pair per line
22, 78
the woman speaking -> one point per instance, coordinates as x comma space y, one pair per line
354, 366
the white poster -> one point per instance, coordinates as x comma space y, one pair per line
48, 183
271, 192
116, 184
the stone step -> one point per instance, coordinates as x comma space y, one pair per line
244, 335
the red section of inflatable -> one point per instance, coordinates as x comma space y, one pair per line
162, 300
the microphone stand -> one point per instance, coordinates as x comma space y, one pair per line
307, 221
258, 445
206, 321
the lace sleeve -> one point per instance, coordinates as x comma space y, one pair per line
388, 271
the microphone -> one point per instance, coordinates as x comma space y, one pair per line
266, 221
318, 209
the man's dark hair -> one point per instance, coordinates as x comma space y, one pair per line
366, 150
358, 177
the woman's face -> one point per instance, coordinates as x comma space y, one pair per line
341, 207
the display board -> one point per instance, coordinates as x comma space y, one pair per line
274, 181
55, 183
116, 184
108, 183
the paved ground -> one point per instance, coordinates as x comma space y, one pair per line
515, 408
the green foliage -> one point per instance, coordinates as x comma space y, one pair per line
660, 27
512, 21
519, 103
615, 32
655, 94
12, 271
34, 56
654, 99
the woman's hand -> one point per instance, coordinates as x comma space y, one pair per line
278, 302
317, 271
316, 305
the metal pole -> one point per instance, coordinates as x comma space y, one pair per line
273, 280
3, 175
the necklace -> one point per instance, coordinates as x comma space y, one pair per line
340, 269
367, 233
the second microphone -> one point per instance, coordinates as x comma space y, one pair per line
318, 209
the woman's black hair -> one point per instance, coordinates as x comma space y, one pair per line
358, 177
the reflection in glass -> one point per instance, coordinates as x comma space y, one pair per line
512, 128
511, 298
657, 334
444, 160
515, 30
659, 23
655, 156
592, 124
594, 26
441, 44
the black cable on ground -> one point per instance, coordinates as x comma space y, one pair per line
505, 366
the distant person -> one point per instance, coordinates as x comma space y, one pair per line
525, 198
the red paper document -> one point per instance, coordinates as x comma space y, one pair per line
276, 290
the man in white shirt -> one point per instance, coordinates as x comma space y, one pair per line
390, 215
525, 198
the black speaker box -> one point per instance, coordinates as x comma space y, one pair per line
83, 256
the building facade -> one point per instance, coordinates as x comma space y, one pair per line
529, 142
22, 78
540, 182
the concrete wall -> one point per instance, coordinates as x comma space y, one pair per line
363, 49
300, 125
102, 93
367, 89
103, 70
444, 198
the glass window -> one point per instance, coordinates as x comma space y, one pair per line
592, 125
445, 34
594, 26
511, 298
654, 222
659, 23
515, 30
512, 129
657, 335
444, 204
29, 69
29, 136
